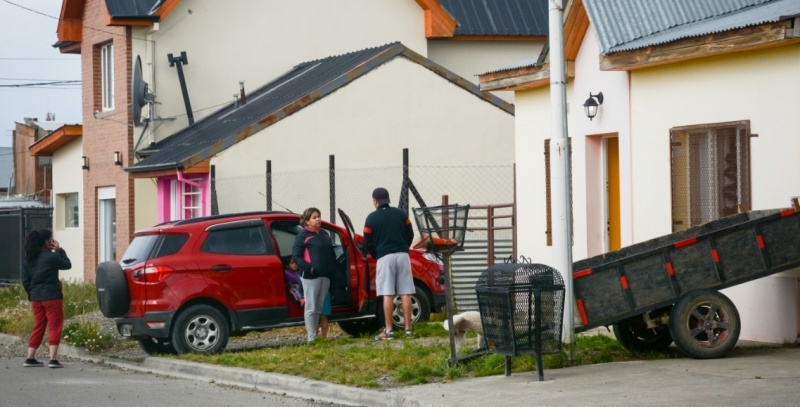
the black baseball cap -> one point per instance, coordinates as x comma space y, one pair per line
381, 195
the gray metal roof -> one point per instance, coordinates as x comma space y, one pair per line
131, 9
300, 87
6, 167
622, 25
499, 17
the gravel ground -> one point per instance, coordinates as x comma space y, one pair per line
130, 350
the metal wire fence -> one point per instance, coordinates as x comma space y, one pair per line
489, 190
351, 189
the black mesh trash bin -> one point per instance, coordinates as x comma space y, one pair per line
522, 309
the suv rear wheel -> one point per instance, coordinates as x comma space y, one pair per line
200, 329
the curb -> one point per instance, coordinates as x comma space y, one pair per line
275, 383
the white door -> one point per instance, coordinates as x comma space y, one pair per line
106, 224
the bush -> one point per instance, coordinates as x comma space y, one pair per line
88, 335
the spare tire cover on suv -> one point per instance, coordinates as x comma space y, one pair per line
112, 289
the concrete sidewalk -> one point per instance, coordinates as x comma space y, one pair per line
755, 377
769, 377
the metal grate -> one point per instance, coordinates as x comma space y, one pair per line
519, 302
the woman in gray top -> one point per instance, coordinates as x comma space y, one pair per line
43, 257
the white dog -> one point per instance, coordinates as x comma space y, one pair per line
463, 322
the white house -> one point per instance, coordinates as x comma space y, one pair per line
691, 72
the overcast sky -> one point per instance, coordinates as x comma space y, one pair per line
27, 33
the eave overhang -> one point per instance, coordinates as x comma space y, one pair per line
60, 137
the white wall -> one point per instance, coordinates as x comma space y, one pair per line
68, 178
256, 41
471, 58
759, 86
366, 125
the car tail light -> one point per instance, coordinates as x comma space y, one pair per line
152, 274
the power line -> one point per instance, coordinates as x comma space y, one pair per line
22, 85
72, 23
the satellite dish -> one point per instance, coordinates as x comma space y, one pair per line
140, 94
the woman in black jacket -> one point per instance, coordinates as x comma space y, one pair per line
43, 257
316, 261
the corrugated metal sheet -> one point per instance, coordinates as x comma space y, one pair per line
498, 17
122, 9
215, 130
628, 24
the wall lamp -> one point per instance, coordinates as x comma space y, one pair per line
85, 165
116, 159
590, 105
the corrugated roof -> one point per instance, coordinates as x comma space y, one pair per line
301, 86
122, 9
499, 17
6, 167
621, 25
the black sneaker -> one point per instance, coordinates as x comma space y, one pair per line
32, 363
54, 364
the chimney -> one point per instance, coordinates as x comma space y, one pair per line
242, 97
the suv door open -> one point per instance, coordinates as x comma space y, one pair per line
359, 258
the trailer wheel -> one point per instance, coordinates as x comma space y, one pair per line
634, 335
704, 324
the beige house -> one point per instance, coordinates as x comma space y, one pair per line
216, 47
63, 148
689, 82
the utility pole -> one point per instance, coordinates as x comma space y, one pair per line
560, 175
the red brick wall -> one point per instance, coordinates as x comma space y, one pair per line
102, 137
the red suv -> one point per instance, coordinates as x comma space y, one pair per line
187, 286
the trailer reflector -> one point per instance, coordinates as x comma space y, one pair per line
715, 255
624, 281
760, 241
582, 312
686, 242
787, 212
670, 271
582, 273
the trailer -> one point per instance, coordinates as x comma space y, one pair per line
666, 289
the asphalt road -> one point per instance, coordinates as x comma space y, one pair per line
81, 384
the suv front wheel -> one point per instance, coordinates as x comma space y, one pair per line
200, 329
420, 308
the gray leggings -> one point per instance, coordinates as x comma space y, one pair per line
315, 291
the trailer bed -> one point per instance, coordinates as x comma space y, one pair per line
656, 273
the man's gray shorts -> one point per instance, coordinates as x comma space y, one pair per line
394, 275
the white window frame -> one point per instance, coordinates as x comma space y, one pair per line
107, 75
71, 209
179, 193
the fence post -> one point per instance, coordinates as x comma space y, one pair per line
332, 180
404, 204
269, 185
214, 203
490, 234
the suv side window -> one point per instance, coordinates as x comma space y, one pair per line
247, 240
170, 244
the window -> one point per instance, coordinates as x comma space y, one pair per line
710, 172
107, 75
186, 200
250, 240
71, 208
